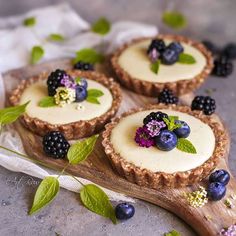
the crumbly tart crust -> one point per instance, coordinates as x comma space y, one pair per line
152, 89
74, 130
155, 180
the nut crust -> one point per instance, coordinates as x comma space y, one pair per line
77, 129
155, 180
152, 88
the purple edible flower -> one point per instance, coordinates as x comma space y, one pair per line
153, 55
68, 82
142, 138
231, 231
154, 127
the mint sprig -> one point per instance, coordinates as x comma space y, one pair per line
47, 101
185, 58
37, 53
29, 22
88, 55
101, 26
172, 233
155, 66
93, 95
174, 20
185, 145
170, 122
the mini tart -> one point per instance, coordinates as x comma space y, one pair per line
75, 129
146, 84
132, 169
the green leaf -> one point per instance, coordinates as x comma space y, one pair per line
185, 58
95, 93
173, 117
96, 200
174, 19
29, 22
77, 80
185, 145
172, 233
56, 37
88, 55
46, 192
93, 100
170, 122
155, 66
101, 26
47, 102
37, 53
10, 114
80, 150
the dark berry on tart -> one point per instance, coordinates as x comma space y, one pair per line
80, 65
223, 67
166, 96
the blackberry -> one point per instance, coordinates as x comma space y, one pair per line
222, 67
211, 47
54, 81
205, 104
158, 44
80, 65
166, 96
230, 50
155, 116
55, 144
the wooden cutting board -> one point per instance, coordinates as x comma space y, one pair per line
208, 220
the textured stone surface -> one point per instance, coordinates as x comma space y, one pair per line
210, 19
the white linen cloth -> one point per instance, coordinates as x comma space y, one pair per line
16, 42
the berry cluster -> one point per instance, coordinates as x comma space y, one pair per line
167, 54
217, 184
55, 144
80, 65
155, 132
223, 65
166, 96
205, 104
66, 89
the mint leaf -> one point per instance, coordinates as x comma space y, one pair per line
37, 53
10, 114
174, 19
95, 93
101, 26
80, 150
56, 37
93, 100
77, 80
46, 192
96, 200
185, 145
173, 117
47, 102
172, 233
88, 55
170, 122
185, 58
29, 22
155, 66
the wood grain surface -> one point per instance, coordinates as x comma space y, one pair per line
208, 220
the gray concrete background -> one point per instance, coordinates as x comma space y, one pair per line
208, 19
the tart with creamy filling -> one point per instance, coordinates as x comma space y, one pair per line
148, 164
78, 105
134, 69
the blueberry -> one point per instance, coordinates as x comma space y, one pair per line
124, 211
183, 131
80, 93
216, 191
166, 140
169, 57
221, 176
83, 82
176, 46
